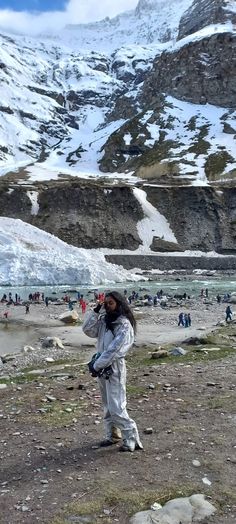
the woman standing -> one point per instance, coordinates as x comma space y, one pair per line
113, 324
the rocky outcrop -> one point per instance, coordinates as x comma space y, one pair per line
203, 13
14, 203
163, 246
202, 218
76, 99
96, 216
85, 216
202, 71
172, 139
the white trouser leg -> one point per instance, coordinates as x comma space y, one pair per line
114, 401
106, 413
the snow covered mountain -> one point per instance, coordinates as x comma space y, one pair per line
153, 21
142, 102
94, 98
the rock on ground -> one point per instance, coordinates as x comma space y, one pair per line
52, 342
185, 510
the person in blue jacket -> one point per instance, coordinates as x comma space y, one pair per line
113, 324
228, 313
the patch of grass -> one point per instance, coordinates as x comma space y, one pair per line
216, 164
200, 147
4, 381
222, 401
224, 351
228, 496
137, 501
193, 355
120, 502
20, 379
67, 362
56, 414
133, 390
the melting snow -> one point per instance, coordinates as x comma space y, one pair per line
33, 196
127, 139
154, 224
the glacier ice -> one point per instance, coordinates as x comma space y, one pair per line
30, 256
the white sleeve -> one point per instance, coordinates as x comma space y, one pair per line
91, 324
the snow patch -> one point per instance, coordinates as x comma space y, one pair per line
231, 6
127, 139
33, 196
154, 224
205, 32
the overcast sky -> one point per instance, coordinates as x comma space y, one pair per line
33, 16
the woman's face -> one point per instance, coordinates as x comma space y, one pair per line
110, 304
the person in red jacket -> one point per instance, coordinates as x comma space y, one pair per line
83, 306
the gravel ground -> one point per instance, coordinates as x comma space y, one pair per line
51, 469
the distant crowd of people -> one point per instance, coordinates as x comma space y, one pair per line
147, 299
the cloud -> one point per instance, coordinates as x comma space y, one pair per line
76, 12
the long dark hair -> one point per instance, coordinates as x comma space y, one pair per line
123, 307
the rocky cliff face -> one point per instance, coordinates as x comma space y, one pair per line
95, 216
85, 216
203, 13
201, 218
201, 72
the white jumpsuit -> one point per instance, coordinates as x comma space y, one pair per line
113, 348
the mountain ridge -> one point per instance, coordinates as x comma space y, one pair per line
64, 105
158, 116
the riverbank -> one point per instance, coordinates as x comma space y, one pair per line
156, 325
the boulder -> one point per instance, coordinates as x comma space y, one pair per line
28, 349
69, 317
160, 353
52, 342
163, 246
186, 510
177, 352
